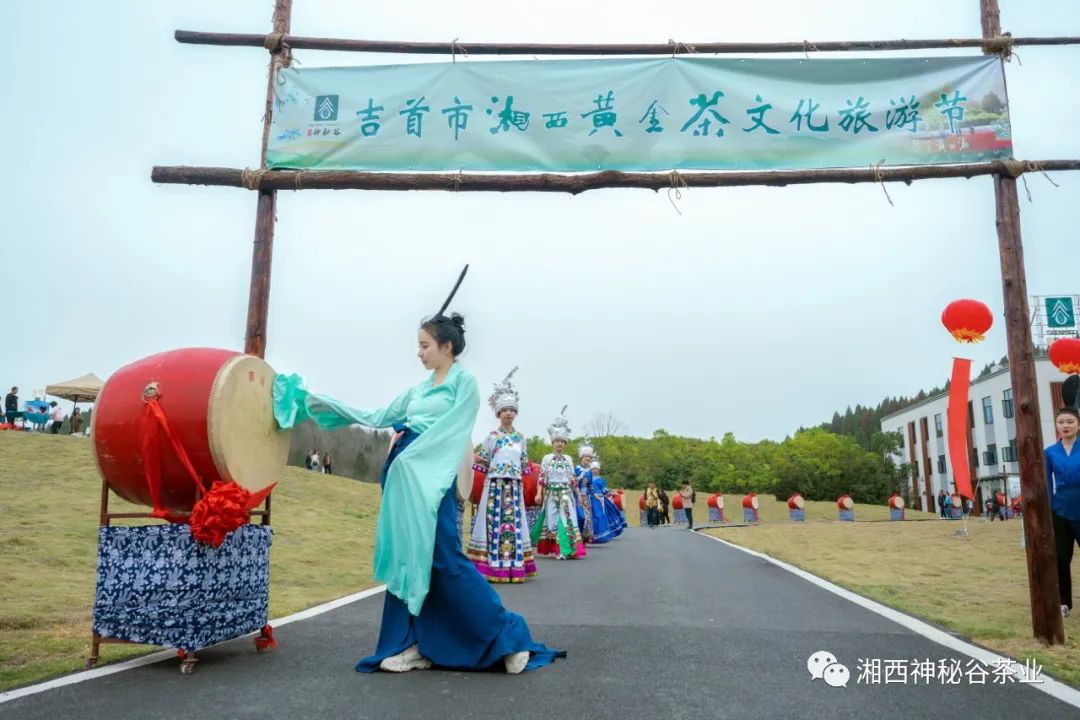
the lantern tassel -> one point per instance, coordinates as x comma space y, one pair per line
959, 391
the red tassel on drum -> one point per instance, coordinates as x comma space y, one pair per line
225, 508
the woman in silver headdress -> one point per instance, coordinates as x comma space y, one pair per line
583, 488
499, 545
556, 530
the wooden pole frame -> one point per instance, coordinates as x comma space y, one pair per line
1046, 620
1042, 575
671, 47
575, 184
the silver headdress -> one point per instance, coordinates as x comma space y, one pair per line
560, 429
586, 449
505, 396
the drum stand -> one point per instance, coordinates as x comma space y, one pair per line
188, 659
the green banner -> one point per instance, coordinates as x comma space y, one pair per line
686, 113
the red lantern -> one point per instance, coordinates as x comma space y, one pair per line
676, 501
967, 320
641, 502
1065, 354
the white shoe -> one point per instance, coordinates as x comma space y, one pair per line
1065, 611
516, 662
411, 659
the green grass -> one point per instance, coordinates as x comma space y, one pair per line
975, 586
324, 529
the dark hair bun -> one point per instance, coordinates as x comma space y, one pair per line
447, 330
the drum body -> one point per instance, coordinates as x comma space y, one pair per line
219, 405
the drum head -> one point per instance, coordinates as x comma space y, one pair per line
899, 502
245, 442
800, 503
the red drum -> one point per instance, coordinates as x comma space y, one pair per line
676, 501
219, 406
896, 501
750, 502
529, 484
617, 499
844, 502
796, 502
641, 502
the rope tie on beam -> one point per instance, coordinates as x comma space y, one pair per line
1018, 168
252, 179
274, 41
677, 47
879, 178
456, 48
678, 182
807, 46
1000, 45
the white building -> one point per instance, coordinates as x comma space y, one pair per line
991, 436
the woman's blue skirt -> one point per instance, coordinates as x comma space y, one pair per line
462, 624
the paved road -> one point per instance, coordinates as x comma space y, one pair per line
659, 624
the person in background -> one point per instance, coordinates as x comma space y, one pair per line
665, 516
652, 506
57, 417
1063, 484
11, 406
76, 422
316, 463
688, 496
328, 463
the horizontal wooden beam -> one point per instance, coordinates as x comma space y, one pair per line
574, 184
297, 42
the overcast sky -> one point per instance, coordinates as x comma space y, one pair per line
755, 311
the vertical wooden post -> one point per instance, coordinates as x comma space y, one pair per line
263, 251
1046, 619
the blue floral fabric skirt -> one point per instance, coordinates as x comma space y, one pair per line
156, 585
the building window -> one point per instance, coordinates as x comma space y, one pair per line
1008, 454
990, 456
1007, 404
988, 410
915, 469
900, 432
975, 457
971, 415
938, 429
941, 464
